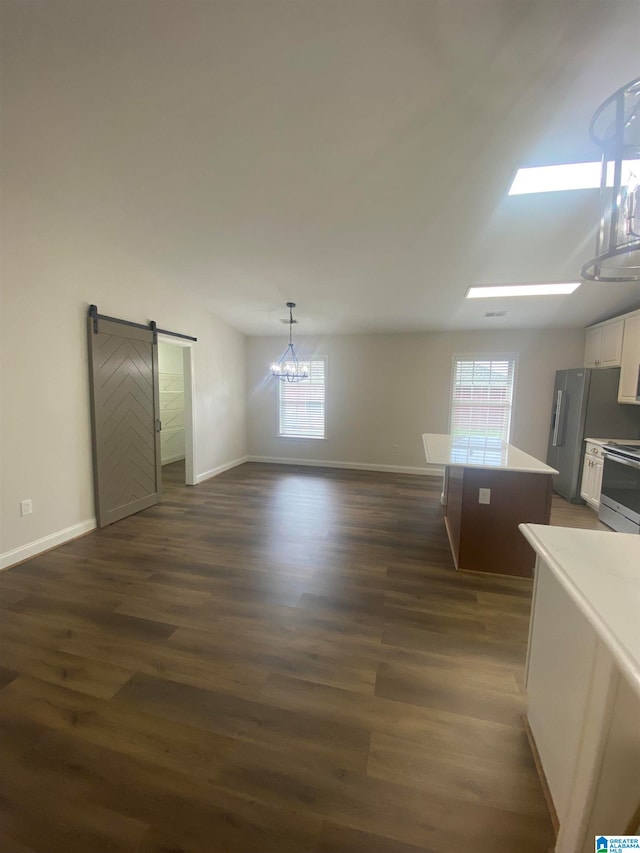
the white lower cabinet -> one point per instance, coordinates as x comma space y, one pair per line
558, 684
617, 792
583, 715
592, 476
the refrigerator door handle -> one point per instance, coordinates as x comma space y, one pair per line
556, 426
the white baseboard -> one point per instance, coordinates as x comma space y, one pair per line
24, 552
46, 543
427, 471
207, 475
176, 458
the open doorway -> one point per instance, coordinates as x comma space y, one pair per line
177, 437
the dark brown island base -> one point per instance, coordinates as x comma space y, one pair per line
489, 488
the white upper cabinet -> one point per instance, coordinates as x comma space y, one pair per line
611, 353
630, 372
603, 344
592, 346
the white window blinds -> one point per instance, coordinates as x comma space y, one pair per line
301, 404
482, 396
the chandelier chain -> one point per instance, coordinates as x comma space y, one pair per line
288, 368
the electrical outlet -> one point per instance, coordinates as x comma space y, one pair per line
484, 496
395, 448
26, 507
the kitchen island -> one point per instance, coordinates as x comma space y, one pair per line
489, 488
583, 680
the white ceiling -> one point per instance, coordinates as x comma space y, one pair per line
351, 156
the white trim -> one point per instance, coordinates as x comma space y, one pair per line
189, 405
24, 552
427, 471
189, 416
301, 437
207, 475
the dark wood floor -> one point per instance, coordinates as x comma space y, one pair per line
279, 660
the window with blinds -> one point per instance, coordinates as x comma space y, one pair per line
482, 396
301, 404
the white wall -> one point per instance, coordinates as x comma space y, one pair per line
170, 358
65, 245
389, 389
54, 266
81, 172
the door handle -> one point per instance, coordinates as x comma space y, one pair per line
158, 424
556, 427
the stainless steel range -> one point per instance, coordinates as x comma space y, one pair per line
620, 494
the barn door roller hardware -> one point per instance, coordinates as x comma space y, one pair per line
152, 326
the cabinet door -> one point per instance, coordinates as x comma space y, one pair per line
628, 388
596, 482
592, 347
560, 658
611, 344
587, 478
618, 785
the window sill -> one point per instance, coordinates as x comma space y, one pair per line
303, 437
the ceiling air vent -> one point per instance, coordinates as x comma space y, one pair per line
494, 314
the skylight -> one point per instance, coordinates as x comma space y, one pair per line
547, 289
567, 176
548, 179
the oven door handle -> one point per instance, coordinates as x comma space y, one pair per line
621, 459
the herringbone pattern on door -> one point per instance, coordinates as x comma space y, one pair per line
125, 422
126, 407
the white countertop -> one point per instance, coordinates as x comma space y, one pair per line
600, 570
480, 452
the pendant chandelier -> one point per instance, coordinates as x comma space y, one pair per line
615, 128
288, 368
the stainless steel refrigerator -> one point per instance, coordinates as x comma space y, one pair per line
585, 406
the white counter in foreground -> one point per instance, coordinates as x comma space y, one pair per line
601, 573
583, 679
480, 452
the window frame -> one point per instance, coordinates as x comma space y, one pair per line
279, 435
485, 356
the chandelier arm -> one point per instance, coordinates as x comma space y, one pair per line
619, 221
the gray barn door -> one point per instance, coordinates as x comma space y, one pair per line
124, 407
